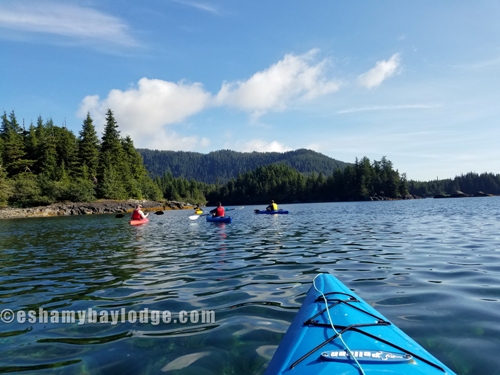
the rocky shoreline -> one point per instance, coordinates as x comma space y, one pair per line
90, 208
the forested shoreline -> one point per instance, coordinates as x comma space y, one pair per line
46, 164
362, 181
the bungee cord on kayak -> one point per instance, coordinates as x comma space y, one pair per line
405, 356
339, 335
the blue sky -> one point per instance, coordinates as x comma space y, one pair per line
415, 81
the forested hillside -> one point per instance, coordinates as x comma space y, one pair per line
221, 166
284, 184
470, 183
46, 163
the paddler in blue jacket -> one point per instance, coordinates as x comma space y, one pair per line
272, 207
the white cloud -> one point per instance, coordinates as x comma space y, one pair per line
259, 146
143, 111
293, 78
382, 70
64, 20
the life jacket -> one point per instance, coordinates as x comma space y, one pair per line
219, 212
136, 215
274, 206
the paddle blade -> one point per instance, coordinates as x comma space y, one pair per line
118, 216
159, 213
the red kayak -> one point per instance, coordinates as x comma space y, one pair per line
139, 222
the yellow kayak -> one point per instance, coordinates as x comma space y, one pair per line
198, 212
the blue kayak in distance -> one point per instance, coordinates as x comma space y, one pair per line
271, 212
334, 328
220, 219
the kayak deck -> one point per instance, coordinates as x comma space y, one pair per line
139, 222
223, 219
271, 212
312, 346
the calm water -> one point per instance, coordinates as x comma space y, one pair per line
430, 266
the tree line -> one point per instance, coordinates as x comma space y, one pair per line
470, 183
218, 167
284, 184
47, 163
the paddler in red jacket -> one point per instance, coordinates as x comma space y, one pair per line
218, 211
138, 214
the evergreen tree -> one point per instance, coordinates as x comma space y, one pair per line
111, 169
27, 191
111, 185
47, 149
133, 170
88, 149
13, 155
403, 185
138, 182
31, 144
5, 187
110, 141
67, 152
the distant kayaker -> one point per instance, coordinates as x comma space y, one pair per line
138, 214
272, 207
218, 211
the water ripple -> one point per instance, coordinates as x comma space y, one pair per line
430, 266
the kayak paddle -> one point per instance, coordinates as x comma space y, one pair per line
195, 217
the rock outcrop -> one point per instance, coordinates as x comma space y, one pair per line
90, 208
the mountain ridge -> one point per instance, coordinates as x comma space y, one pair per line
223, 165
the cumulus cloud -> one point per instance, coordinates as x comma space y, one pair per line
382, 70
64, 19
293, 78
143, 111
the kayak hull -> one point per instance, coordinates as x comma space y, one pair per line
379, 346
223, 219
271, 212
139, 222
198, 212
